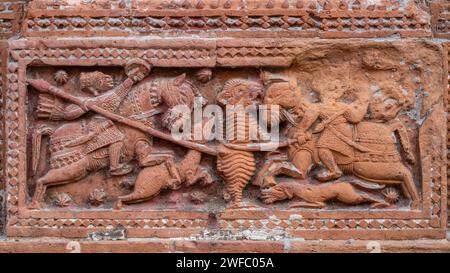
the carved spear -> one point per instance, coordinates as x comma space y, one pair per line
86, 104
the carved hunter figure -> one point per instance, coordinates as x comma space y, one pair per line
72, 159
342, 141
235, 165
165, 173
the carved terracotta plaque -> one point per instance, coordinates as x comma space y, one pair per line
134, 117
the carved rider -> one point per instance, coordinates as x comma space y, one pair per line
100, 131
336, 131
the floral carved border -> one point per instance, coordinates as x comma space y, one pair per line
430, 221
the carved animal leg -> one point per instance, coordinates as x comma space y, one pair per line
390, 173
175, 182
303, 204
303, 162
271, 195
116, 168
38, 195
132, 198
266, 177
333, 171
377, 203
347, 194
410, 188
54, 177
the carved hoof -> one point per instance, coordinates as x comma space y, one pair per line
118, 205
174, 184
34, 205
415, 204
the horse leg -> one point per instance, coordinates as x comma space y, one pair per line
53, 177
389, 173
38, 194
332, 170
410, 188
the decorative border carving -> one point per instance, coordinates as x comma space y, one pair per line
3, 61
440, 20
447, 79
328, 19
10, 17
428, 222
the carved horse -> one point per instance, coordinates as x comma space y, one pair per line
69, 164
380, 161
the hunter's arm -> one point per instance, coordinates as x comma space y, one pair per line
72, 112
112, 99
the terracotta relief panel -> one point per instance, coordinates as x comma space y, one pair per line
359, 150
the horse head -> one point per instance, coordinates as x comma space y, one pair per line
180, 95
281, 91
179, 91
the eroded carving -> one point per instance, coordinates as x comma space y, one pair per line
353, 143
342, 142
346, 131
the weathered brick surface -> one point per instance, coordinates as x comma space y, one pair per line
398, 51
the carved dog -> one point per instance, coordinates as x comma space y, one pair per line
315, 196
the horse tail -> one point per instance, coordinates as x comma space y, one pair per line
43, 130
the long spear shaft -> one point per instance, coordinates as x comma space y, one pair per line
132, 123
